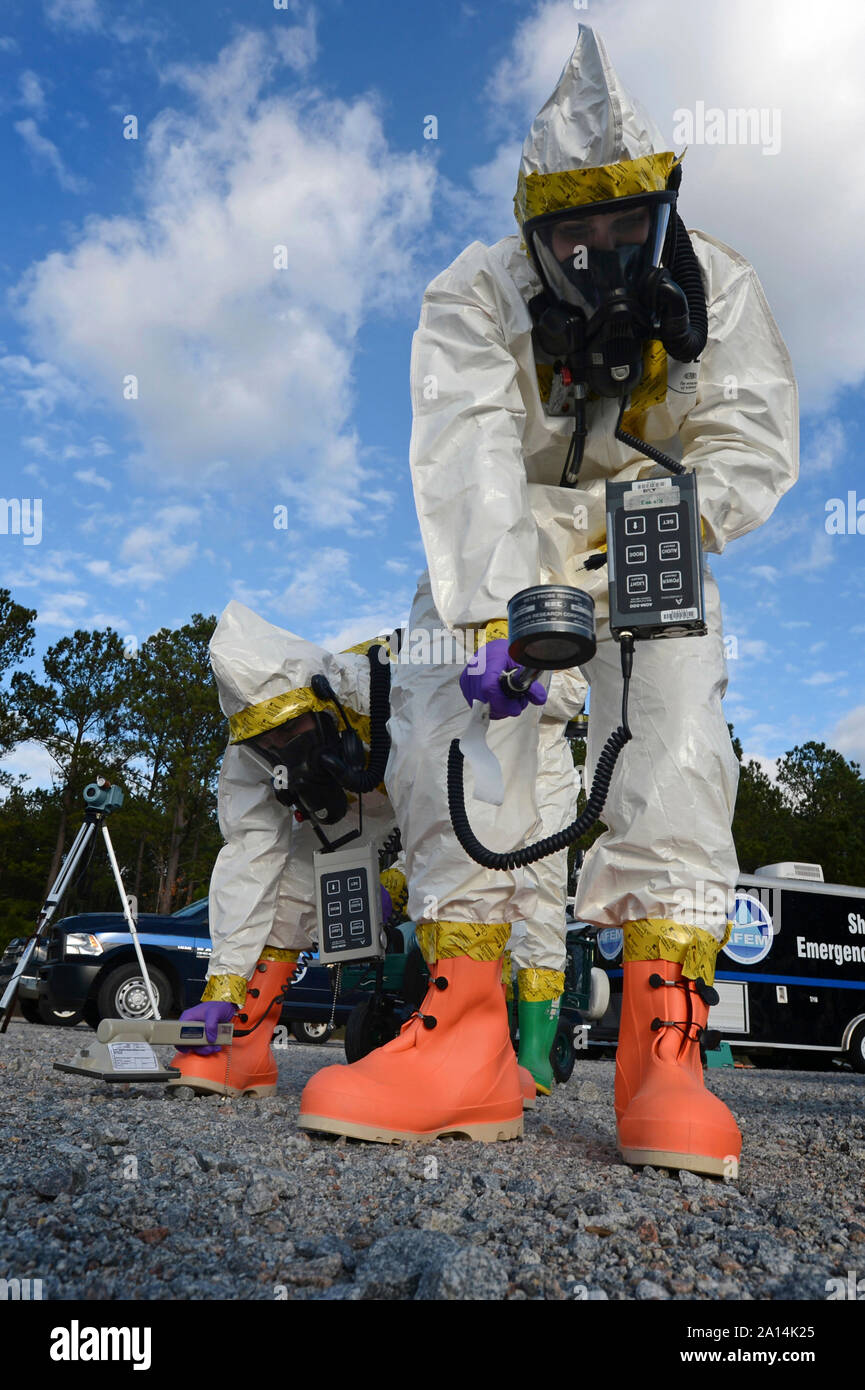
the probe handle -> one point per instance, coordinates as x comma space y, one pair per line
518, 680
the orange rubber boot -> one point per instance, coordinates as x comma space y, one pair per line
248, 1067
451, 1070
665, 1115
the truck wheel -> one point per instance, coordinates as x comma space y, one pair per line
123, 994
30, 1010
856, 1050
307, 1032
563, 1054
58, 1018
368, 1027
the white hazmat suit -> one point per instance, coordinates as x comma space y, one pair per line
487, 460
262, 891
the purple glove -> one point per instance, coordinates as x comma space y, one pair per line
480, 681
211, 1015
386, 903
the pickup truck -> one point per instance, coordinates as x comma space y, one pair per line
89, 970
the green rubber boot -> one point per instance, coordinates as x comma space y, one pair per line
539, 1020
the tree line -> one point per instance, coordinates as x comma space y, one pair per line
151, 722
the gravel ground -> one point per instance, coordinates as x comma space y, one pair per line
111, 1192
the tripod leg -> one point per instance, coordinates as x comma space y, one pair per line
52, 902
130, 920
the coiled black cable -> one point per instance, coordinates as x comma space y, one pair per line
368, 778
551, 844
642, 447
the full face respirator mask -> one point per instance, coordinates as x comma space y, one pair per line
615, 275
317, 762
600, 266
298, 753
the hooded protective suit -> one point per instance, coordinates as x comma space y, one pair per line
262, 891
731, 417
487, 458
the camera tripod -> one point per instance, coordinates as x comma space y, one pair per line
101, 798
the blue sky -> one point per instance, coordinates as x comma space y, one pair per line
257, 387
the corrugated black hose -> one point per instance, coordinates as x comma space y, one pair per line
368, 778
542, 849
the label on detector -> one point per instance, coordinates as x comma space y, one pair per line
133, 1056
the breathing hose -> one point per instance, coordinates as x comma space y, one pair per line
368, 778
687, 344
551, 844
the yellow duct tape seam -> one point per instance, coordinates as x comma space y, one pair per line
477, 940
572, 188
658, 938
536, 985
229, 989
269, 714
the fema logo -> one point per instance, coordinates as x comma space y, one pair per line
751, 938
610, 941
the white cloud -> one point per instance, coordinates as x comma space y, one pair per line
46, 155
848, 736
823, 677
820, 555
766, 572
34, 442
827, 448
153, 551
298, 44
41, 387
8, 44
754, 647
91, 477
767, 765
64, 609
31, 93
377, 622
805, 243
49, 567
327, 571
32, 762
78, 16
241, 365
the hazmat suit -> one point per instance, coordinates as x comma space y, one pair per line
262, 890
487, 459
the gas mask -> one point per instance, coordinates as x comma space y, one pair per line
300, 760
605, 292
